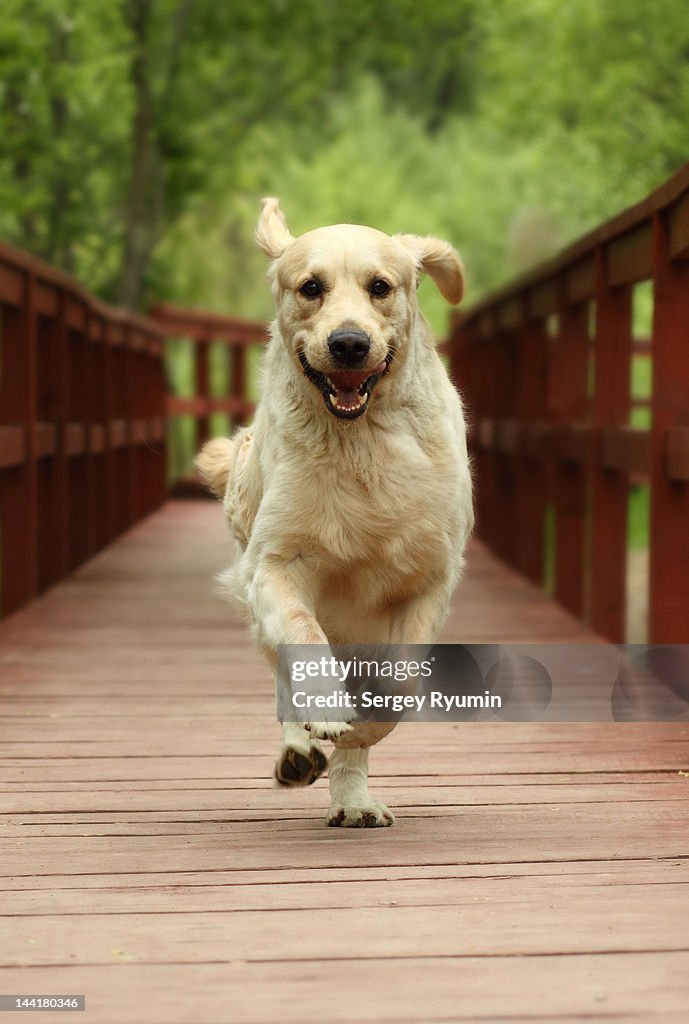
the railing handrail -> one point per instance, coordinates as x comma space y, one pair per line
202, 325
14, 263
633, 217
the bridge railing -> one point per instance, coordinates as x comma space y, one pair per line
548, 365
88, 416
216, 389
82, 429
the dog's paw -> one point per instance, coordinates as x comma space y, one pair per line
299, 768
328, 730
371, 814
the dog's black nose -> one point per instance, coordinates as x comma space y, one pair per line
348, 346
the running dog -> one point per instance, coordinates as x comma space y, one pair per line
350, 495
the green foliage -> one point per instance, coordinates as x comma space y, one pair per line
61, 67
638, 517
136, 137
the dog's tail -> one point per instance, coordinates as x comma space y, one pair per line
213, 464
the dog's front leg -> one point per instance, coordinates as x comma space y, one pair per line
281, 597
352, 806
301, 760
420, 620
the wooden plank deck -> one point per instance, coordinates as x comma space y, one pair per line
535, 872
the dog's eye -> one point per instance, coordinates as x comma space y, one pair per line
311, 288
379, 287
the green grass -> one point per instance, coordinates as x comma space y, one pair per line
642, 310
638, 509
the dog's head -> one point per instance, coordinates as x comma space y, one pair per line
346, 301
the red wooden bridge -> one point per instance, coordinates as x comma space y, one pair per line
535, 870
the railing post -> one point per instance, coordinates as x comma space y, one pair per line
569, 484
532, 484
118, 389
202, 361
19, 481
98, 429
138, 426
159, 400
508, 467
610, 488
129, 413
52, 358
484, 399
109, 366
92, 411
77, 434
152, 410
669, 527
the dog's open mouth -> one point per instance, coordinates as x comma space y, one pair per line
346, 392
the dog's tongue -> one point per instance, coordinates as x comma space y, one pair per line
350, 381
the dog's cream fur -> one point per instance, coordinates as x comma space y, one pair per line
351, 531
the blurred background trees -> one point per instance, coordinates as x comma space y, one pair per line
137, 136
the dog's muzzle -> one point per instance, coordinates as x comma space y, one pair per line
346, 392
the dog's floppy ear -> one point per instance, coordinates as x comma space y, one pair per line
272, 233
438, 259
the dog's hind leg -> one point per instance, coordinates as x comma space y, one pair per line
352, 806
301, 760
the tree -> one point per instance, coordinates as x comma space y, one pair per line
136, 137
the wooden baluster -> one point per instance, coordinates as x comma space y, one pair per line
610, 489
143, 451
508, 463
158, 411
669, 566
155, 411
19, 481
488, 518
98, 508
91, 414
569, 486
53, 483
532, 383
203, 421
80, 514
118, 428
62, 418
138, 411
109, 416
129, 413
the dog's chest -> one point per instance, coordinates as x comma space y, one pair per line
389, 507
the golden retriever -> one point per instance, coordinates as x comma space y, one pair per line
350, 495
